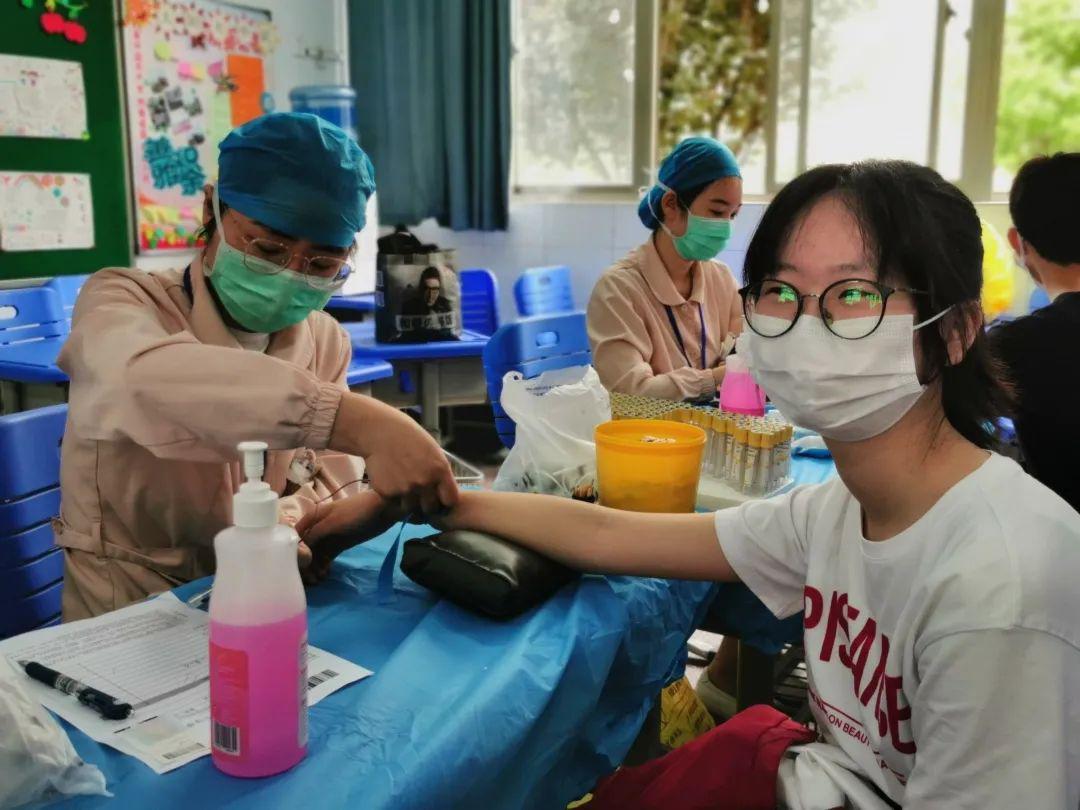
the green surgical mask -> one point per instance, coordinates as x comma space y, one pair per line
259, 295
704, 237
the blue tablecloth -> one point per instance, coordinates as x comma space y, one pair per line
810, 470
462, 712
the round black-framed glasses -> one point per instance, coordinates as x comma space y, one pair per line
851, 308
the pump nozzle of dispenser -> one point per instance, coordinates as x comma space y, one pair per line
255, 505
254, 455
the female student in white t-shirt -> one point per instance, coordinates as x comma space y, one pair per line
942, 617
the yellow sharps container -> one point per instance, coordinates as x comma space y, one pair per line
645, 465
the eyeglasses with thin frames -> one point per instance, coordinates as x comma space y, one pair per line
327, 273
851, 308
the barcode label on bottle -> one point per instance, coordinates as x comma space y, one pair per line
321, 677
226, 738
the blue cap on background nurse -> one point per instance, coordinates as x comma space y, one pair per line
662, 319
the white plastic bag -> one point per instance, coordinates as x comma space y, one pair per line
556, 415
38, 763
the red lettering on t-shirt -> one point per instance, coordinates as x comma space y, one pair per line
890, 718
855, 652
835, 621
842, 650
812, 607
855, 660
874, 684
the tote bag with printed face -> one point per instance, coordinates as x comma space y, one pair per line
417, 292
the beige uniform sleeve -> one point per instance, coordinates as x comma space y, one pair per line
175, 396
339, 475
621, 349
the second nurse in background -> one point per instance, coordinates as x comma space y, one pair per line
662, 319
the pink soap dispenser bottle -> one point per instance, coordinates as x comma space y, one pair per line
258, 635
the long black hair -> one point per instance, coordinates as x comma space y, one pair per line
922, 232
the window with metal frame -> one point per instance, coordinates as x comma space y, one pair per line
842, 80
583, 89
604, 88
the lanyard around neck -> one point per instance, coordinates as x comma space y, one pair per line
678, 335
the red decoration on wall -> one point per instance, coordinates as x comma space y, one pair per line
74, 32
53, 22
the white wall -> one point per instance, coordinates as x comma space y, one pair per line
310, 25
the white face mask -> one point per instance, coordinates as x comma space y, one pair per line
848, 390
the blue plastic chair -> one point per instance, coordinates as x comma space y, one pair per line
544, 291
31, 566
68, 288
31, 313
33, 328
479, 300
531, 347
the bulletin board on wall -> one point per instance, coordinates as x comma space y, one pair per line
63, 180
194, 69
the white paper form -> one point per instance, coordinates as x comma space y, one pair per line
45, 211
153, 655
42, 98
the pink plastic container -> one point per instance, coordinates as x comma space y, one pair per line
738, 392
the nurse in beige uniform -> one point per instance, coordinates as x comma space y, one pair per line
169, 371
662, 319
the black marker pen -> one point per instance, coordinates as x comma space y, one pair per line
103, 704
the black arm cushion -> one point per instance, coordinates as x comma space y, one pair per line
483, 573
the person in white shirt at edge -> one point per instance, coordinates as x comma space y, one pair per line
942, 626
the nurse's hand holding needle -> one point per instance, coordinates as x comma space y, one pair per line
404, 464
337, 525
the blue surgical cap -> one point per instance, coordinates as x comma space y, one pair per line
298, 174
694, 162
